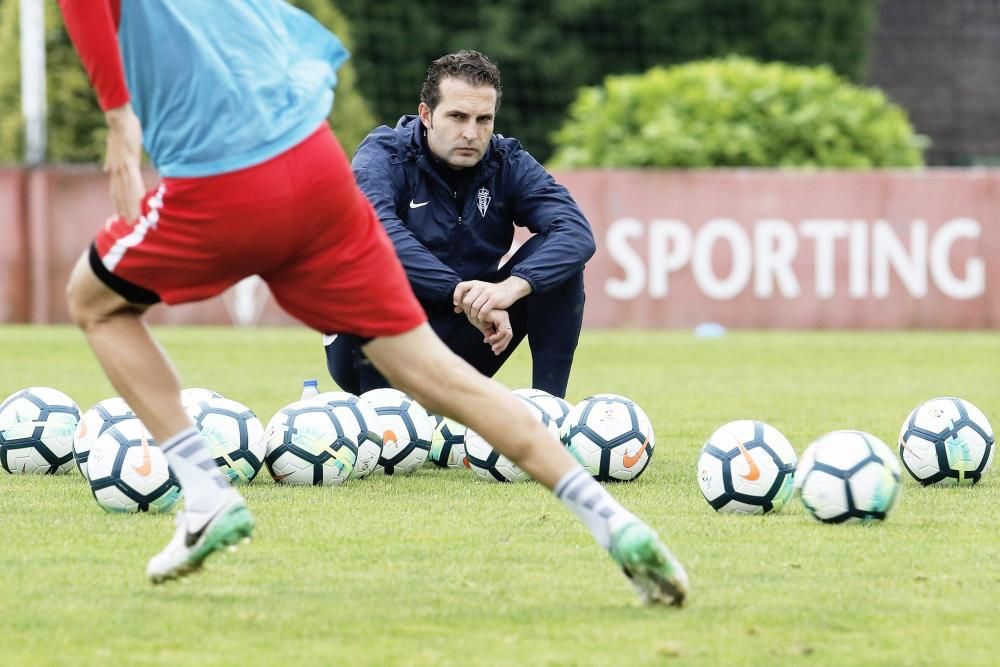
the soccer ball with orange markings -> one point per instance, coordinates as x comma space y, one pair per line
610, 436
946, 441
129, 473
95, 421
36, 431
848, 476
406, 431
747, 467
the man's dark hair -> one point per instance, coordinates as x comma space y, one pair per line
470, 66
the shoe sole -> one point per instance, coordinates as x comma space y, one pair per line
654, 572
234, 527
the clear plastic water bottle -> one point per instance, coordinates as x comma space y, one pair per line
310, 388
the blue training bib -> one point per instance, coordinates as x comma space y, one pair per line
221, 85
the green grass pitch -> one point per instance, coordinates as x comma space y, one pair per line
441, 568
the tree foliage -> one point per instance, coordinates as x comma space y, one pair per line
76, 129
75, 125
548, 50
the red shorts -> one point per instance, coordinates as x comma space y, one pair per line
298, 221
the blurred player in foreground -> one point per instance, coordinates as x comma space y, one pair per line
230, 99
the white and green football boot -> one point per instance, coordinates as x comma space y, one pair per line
655, 574
199, 535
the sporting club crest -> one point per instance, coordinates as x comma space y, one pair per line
483, 200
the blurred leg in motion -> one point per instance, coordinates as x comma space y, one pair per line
214, 514
418, 363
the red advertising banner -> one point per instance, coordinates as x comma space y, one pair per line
744, 248
767, 249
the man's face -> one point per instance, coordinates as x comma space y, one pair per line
460, 127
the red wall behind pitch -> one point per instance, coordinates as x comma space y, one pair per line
14, 278
640, 276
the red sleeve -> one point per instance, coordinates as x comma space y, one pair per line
92, 27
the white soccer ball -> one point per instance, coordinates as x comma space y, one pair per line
610, 436
447, 443
307, 444
490, 464
234, 434
848, 476
406, 431
129, 473
746, 467
946, 441
359, 417
556, 408
95, 421
36, 431
192, 394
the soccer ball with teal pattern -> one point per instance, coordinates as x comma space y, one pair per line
306, 443
946, 441
848, 476
36, 431
447, 443
358, 416
234, 435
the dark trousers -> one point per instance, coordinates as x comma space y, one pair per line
551, 321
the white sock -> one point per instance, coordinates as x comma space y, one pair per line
200, 478
587, 499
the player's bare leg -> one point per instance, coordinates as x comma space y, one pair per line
418, 363
445, 384
214, 515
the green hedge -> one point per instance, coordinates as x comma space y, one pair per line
735, 112
76, 128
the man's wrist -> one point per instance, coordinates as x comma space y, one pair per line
518, 286
450, 296
118, 116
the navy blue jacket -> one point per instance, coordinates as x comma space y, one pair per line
441, 246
